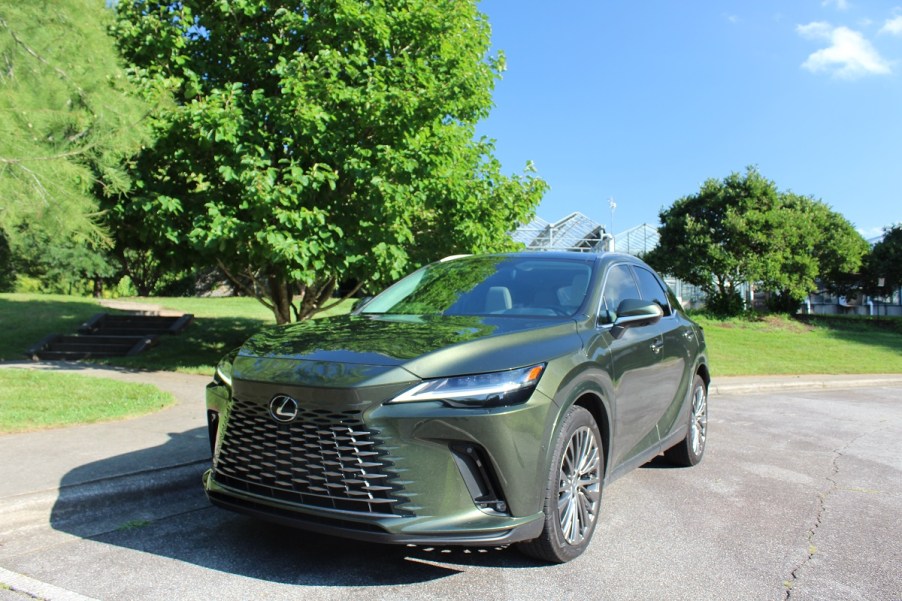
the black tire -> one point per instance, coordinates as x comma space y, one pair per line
690, 450
574, 485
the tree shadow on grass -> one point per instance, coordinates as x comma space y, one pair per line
868, 336
197, 348
26, 321
881, 331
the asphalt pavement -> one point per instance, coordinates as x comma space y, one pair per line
50, 476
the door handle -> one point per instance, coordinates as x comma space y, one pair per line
657, 345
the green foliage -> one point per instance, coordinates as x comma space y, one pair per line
316, 143
148, 275
717, 238
885, 263
743, 229
810, 242
724, 304
62, 266
67, 124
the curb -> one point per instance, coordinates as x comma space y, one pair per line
803, 384
35, 589
69, 501
97, 507
137, 484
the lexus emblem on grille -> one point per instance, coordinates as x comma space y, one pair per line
283, 408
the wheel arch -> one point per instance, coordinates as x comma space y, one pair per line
594, 405
705, 374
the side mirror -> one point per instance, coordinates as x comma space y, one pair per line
634, 312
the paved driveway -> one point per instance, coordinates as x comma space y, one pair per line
799, 497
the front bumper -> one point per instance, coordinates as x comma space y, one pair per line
430, 492
415, 532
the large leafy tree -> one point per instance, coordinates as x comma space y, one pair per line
68, 121
811, 245
718, 238
319, 142
884, 263
743, 229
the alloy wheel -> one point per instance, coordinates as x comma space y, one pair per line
699, 423
580, 486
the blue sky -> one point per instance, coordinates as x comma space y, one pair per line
643, 101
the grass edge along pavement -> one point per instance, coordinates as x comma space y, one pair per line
35, 400
220, 324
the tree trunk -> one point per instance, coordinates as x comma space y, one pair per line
280, 294
314, 296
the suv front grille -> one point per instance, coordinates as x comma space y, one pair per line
323, 458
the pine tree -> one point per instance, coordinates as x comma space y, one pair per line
68, 123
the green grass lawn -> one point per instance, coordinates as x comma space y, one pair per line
777, 345
33, 400
771, 345
27, 318
220, 324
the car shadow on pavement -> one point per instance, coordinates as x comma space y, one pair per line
164, 512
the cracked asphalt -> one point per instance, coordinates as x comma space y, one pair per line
799, 497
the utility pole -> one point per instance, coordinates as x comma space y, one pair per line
613, 206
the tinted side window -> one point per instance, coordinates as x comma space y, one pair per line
619, 285
651, 289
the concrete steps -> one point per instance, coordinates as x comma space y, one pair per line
109, 335
107, 324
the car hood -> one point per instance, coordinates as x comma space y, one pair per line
356, 350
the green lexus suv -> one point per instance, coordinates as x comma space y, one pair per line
481, 400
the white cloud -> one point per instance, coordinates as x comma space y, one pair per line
848, 56
870, 233
815, 30
839, 4
892, 26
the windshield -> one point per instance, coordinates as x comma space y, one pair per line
489, 285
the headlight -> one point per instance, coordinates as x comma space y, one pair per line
479, 390
223, 373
